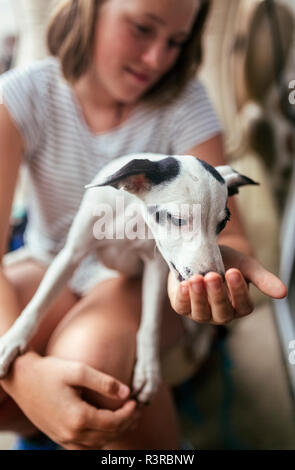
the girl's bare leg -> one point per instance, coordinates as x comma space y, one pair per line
101, 331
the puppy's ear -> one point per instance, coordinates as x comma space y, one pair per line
233, 179
139, 175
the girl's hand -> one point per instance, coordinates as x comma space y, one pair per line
208, 299
48, 390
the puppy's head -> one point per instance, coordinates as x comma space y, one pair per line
184, 204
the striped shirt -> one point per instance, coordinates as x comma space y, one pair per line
62, 154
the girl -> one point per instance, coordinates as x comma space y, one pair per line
120, 80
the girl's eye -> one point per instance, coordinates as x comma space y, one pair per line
143, 29
174, 44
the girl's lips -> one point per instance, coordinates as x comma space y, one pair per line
143, 78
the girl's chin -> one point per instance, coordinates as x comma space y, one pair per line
129, 96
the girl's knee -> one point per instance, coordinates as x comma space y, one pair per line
101, 334
109, 314
100, 346
97, 343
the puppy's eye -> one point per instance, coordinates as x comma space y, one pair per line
160, 216
176, 221
221, 226
223, 223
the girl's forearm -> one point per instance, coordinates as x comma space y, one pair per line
12, 418
11, 387
22, 366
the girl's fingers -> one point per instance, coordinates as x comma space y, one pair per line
221, 308
254, 272
265, 281
239, 293
200, 309
179, 295
82, 375
107, 420
182, 302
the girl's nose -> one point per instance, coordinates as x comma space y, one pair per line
154, 56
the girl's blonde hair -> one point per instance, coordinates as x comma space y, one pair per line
70, 37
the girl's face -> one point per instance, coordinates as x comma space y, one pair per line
137, 42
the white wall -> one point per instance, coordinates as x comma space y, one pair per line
291, 3
7, 19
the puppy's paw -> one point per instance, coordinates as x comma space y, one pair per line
10, 348
146, 380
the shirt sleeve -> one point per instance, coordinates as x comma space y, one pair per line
21, 94
194, 119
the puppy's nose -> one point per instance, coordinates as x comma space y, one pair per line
180, 278
188, 272
203, 273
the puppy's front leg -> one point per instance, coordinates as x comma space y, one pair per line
147, 373
79, 242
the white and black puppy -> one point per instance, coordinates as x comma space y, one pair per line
179, 205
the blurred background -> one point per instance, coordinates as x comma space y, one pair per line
242, 395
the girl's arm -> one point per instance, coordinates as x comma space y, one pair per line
11, 151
